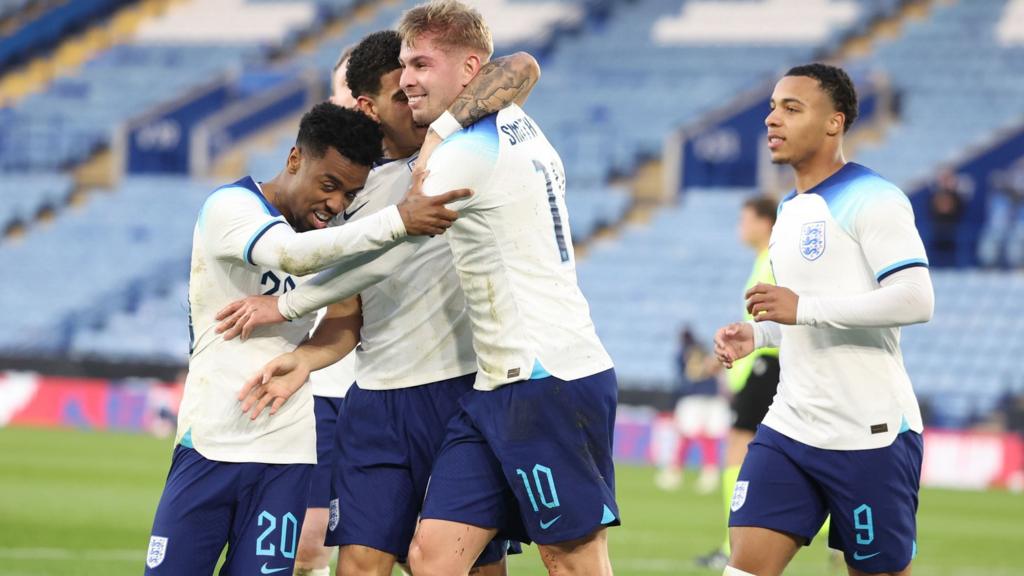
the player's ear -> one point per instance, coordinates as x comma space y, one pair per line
835, 124
366, 106
294, 161
470, 66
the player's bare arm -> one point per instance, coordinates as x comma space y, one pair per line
500, 82
335, 337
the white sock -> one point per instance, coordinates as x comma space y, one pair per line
325, 571
730, 571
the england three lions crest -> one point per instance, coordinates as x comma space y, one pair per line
157, 551
812, 240
739, 495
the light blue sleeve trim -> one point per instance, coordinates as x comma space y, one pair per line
892, 268
247, 255
539, 371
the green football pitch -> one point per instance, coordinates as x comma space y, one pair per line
81, 503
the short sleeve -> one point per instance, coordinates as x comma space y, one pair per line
465, 160
231, 222
887, 234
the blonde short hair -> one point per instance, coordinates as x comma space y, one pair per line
452, 23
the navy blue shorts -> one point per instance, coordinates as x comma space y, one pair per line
532, 459
386, 445
254, 509
327, 410
791, 487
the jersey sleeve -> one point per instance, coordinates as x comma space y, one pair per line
465, 160
231, 222
342, 282
888, 236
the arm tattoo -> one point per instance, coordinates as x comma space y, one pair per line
499, 83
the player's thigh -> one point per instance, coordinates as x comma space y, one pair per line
193, 518
762, 551
873, 500
774, 491
583, 557
446, 548
312, 552
736, 446
355, 560
265, 533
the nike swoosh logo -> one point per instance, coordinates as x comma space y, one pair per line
858, 556
265, 570
545, 525
346, 214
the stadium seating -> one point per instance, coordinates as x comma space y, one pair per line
105, 257
960, 84
26, 194
77, 114
46, 30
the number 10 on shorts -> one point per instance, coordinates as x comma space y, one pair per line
548, 495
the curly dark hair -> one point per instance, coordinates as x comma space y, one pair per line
837, 84
353, 134
373, 57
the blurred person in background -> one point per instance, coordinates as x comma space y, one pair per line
239, 481
753, 379
843, 434
1002, 242
947, 211
701, 414
340, 94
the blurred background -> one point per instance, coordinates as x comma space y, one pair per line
118, 117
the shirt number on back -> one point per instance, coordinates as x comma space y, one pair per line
563, 252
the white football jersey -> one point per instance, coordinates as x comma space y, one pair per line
415, 325
514, 254
210, 419
239, 250
843, 389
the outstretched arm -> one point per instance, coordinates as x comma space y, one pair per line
281, 248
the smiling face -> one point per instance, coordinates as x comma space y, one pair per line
802, 122
390, 106
433, 76
320, 188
